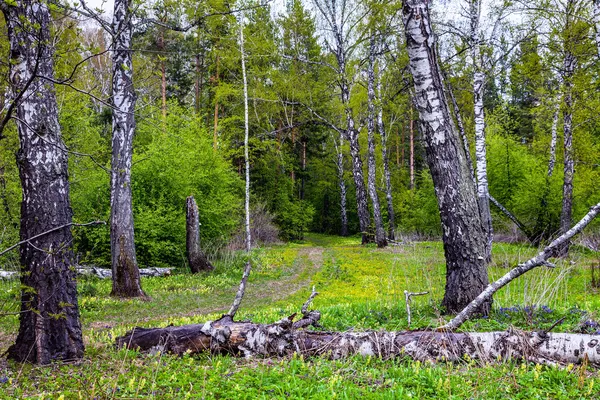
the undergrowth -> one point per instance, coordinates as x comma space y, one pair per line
360, 288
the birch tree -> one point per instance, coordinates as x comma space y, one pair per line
126, 276
380, 237
49, 326
463, 236
340, 20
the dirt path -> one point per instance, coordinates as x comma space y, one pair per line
307, 262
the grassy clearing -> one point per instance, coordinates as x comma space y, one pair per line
360, 288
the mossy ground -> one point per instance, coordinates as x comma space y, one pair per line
360, 288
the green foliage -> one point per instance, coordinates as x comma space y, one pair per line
360, 288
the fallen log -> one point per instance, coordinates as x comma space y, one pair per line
101, 273
284, 338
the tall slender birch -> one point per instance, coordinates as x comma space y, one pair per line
380, 238
386, 166
341, 183
126, 275
48, 277
479, 117
462, 232
340, 24
246, 137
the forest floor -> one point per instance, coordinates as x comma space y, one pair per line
360, 288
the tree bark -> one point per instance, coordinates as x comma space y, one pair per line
569, 165
196, 258
463, 237
216, 114
49, 326
285, 338
380, 238
126, 277
479, 117
596, 20
411, 144
342, 185
386, 169
246, 141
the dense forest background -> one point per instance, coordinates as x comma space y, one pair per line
189, 138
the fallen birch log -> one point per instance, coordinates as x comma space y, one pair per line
101, 273
284, 338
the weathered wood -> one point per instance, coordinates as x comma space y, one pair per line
196, 258
283, 338
101, 273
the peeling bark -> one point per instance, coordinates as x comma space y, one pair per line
386, 169
463, 237
196, 258
569, 64
284, 338
126, 276
380, 238
479, 117
49, 326
342, 185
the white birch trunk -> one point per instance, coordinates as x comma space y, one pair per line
463, 236
380, 238
126, 276
596, 20
246, 136
386, 168
554, 137
342, 184
479, 118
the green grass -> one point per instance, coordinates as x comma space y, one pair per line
360, 288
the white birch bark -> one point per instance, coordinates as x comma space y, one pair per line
386, 167
341, 184
380, 238
463, 236
554, 137
126, 276
596, 20
479, 117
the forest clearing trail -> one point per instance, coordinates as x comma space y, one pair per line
296, 277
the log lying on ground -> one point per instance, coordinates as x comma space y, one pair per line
101, 273
285, 338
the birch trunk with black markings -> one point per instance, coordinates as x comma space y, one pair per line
342, 184
464, 239
126, 276
196, 258
479, 118
380, 238
49, 326
386, 169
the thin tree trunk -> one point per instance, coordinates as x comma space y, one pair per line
302, 182
286, 337
380, 238
197, 85
126, 277
196, 258
554, 138
216, 114
403, 135
596, 19
163, 75
463, 237
342, 185
49, 326
569, 165
386, 169
411, 159
246, 138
